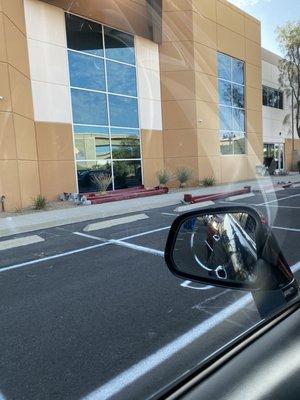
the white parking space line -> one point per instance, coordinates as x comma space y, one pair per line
90, 236
146, 233
167, 213
138, 248
240, 196
113, 222
136, 371
280, 199
194, 206
272, 190
22, 241
38, 260
286, 229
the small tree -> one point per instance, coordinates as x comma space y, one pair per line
163, 176
288, 37
183, 175
101, 181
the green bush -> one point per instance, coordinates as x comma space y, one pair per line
209, 181
40, 202
101, 181
163, 176
183, 175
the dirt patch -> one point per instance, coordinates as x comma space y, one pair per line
51, 205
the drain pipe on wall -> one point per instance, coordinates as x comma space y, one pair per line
2, 198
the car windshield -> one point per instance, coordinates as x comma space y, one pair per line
116, 117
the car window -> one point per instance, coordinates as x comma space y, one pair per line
115, 119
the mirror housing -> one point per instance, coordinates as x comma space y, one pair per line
269, 270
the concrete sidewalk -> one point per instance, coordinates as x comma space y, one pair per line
49, 219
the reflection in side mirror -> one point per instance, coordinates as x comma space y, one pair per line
227, 246
219, 246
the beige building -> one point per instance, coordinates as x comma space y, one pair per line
127, 87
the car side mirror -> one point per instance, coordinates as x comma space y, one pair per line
231, 247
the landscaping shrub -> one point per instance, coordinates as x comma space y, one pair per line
163, 176
101, 181
183, 175
209, 181
40, 202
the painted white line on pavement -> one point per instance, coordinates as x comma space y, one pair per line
22, 241
68, 253
166, 213
194, 206
187, 284
272, 190
240, 196
146, 233
136, 371
90, 236
138, 248
286, 229
282, 198
113, 222
296, 185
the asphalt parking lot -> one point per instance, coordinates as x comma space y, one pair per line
95, 314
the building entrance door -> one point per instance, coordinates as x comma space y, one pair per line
274, 156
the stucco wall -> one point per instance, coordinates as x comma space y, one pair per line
193, 33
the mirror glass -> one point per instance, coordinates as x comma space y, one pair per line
218, 246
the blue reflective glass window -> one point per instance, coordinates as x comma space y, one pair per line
121, 78
86, 71
89, 107
91, 142
123, 111
238, 96
237, 71
225, 94
125, 143
84, 35
119, 45
127, 174
225, 118
239, 144
86, 170
224, 67
238, 120
226, 143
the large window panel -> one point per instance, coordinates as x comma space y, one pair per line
237, 71
84, 35
89, 107
123, 111
238, 120
224, 67
225, 118
125, 143
239, 144
91, 143
231, 105
86, 170
119, 46
225, 93
127, 174
121, 78
104, 104
86, 71
226, 142
238, 96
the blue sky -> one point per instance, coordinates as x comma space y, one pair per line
271, 13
